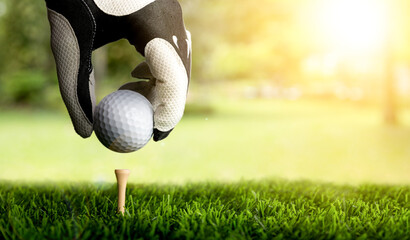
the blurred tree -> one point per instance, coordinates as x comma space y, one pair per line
245, 41
268, 41
26, 65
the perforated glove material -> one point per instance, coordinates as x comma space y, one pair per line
154, 27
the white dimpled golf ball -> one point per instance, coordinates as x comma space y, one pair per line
123, 121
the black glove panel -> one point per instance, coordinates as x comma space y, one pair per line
165, 22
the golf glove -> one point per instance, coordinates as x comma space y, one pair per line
157, 31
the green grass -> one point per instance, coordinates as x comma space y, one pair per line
244, 210
208, 180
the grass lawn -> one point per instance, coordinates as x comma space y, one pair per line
247, 170
244, 210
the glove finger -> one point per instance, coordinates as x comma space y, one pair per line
76, 83
170, 90
142, 71
145, 88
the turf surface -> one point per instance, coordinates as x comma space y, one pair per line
268, 209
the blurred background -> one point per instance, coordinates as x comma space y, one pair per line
288, 89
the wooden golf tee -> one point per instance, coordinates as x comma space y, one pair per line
122, 177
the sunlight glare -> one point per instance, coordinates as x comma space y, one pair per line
355, 25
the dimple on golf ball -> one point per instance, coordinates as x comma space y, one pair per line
123, 121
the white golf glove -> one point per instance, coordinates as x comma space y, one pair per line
154, 27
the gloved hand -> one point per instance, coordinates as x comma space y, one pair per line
154, 27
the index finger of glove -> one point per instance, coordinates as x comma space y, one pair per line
169, 95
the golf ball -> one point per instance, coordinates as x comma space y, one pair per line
123, 121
